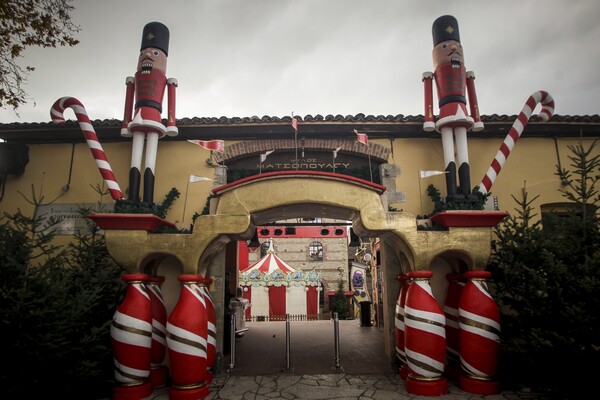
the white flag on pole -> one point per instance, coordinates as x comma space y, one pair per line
264, 155
194, 178
427, 174
336, 151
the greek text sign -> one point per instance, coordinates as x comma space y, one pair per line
68, 217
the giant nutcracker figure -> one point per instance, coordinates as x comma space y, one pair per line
142, 119
452, 81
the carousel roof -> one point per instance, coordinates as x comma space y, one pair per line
269, 263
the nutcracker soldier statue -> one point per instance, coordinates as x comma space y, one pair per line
142, 120
452, 81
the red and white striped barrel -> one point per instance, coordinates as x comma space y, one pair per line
424, 338
211, 317
131, 337
479, 335
158, 371
187, 341
451, 304
399, 323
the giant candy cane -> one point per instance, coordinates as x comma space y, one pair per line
515, 132
57, 115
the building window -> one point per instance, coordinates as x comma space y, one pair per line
315, 251
561, 219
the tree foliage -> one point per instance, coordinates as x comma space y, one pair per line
27, 23
56, 304
340, 302
547, 280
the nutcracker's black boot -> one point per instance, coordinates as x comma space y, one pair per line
148, 186
134, 184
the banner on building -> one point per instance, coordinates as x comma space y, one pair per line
358, 281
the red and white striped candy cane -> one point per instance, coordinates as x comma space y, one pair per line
58, 109
515, 132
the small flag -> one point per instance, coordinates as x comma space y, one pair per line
216, 145
194, 178
362, 137
263, 156
336, 151
295, 124
427, 174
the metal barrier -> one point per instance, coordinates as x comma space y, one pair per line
287, 342
232, 343
336, 340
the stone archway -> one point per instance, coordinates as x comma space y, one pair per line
237, 208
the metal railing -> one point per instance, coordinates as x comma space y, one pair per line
288, 343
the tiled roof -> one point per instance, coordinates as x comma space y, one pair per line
308, 118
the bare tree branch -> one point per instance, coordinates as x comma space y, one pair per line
27, 23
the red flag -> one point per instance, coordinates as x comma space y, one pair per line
362, 137
295, 124
216, 145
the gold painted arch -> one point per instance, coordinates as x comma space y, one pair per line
237, 209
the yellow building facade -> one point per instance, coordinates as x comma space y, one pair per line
300, 177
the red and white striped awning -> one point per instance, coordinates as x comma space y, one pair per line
269, 263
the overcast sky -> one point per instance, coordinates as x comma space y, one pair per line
243, 58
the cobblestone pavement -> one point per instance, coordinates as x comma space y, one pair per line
330, 386
312, 371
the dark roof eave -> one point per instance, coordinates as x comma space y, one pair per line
336, 127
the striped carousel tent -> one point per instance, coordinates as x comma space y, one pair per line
274, 288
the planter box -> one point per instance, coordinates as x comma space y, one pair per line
139, 222
469, 218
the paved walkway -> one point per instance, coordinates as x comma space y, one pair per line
361, 372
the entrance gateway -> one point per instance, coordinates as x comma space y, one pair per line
239, 207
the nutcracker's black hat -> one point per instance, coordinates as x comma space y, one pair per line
445, 28
155, 35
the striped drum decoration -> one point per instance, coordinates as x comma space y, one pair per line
158, 371
187, 341
424, 338
479, 337
451, 304
211, 340
131, 337
399, 324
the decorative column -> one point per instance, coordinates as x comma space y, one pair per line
451, 304
186, 341
479, 337
399, 324
424, 338
131, 337
158, 350
211, 340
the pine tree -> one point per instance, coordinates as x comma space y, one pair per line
547, 280
340, 302
56, 304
